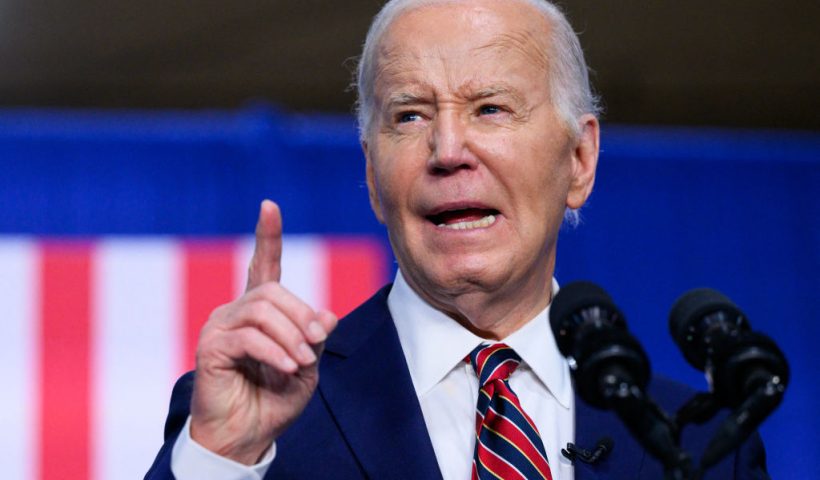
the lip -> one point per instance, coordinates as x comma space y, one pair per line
459, 205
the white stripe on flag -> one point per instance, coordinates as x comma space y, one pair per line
242, 259
304, 260
19, 367
136, 294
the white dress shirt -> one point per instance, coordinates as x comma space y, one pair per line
192, 461
435, 347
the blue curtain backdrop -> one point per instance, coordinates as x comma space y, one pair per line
673, 209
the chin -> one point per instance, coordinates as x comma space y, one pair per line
466, 273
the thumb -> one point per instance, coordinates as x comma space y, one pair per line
266, 264
328, 321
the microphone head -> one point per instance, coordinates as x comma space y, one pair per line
604, 358
715, 336
588, 327
571, 301
695, 314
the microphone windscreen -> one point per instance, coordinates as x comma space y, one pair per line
570, 300
685, 319
577, 296
574, 301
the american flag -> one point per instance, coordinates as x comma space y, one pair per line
96, 331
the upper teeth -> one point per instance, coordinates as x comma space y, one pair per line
467, 225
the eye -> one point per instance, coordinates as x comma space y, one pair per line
489, 110
407, 117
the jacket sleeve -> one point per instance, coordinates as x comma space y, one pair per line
178, 412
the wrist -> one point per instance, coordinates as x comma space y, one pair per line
239, 446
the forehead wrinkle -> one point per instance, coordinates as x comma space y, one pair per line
399, 69
389, 61
525, 42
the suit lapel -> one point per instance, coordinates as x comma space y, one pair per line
591, 425
367, 388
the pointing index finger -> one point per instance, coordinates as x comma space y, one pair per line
266, 264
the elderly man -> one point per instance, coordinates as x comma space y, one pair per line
480, 132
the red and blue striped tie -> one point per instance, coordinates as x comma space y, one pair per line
508, 445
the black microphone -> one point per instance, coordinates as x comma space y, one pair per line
591, 331
610, 368
746, 370
602, 448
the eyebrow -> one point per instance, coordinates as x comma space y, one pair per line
498, 90
404, 98
401, 99
494, 91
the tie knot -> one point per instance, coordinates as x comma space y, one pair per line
493, 362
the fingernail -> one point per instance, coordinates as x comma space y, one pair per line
289, 365
306, 353
316, 332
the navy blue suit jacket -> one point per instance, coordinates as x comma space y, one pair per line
364, 420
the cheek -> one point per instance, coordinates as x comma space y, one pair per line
397, 167
388, 188
539, 182
500, 145
393, 192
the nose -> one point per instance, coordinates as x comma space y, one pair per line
449, 146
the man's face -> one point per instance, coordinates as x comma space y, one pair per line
468, 163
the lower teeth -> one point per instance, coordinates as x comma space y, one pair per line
481, 223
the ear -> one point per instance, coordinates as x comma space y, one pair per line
375, 204
584, 161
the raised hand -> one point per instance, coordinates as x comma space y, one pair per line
256, 365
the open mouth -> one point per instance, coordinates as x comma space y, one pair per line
464, 218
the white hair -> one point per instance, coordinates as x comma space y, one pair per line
567, 78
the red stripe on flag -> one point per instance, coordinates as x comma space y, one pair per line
355, 270
65, 326
208, 282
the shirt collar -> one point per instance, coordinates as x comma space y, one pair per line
434, 343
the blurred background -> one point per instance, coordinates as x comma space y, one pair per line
675, 63
138, 138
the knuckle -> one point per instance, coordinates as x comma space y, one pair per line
219, 316
241, 337
292, 336
256, 311
219, 312
266, 290
305, 314
273, 288
206, 347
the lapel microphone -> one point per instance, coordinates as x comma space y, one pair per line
602, 449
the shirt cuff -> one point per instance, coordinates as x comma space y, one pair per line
192, 461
